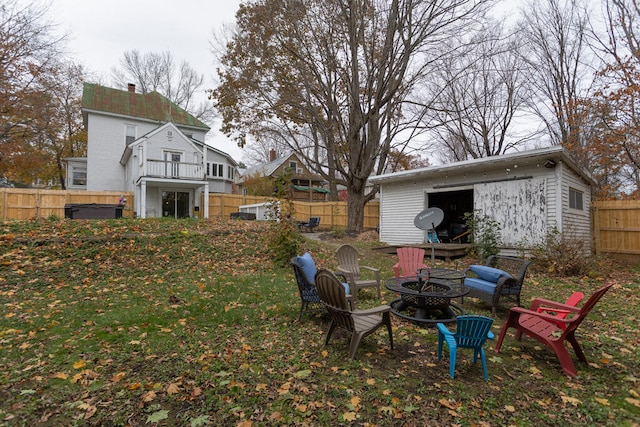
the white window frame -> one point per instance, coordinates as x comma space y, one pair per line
576, 199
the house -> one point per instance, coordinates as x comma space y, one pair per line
306, 186
145, 144
528, 193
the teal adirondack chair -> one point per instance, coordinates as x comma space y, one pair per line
471, 332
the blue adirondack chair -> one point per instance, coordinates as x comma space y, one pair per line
471, 332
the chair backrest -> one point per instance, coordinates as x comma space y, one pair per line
348, 260
573, 301
517, 267
432, 237
307, 289
586, 308
314, 221
471, 331
332, 295
410, 260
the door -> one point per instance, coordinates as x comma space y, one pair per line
175, 204
172, 164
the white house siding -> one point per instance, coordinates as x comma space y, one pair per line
519, 207
160, 142
576, 223
399, 205
220, 184
106, 136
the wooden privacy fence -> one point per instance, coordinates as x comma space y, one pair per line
616, 229
26, 203
332, 214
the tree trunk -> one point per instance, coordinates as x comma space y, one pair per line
355, 210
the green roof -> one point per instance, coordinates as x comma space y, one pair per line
151, 106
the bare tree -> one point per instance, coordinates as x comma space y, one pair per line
556, 49
476, 93
158, 72
330, 77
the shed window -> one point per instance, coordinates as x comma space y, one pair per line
575, 199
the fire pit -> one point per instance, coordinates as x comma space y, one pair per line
426, 300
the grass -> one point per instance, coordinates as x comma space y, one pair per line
184, 322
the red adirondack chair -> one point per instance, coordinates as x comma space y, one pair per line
409, 261
544, 328
538, 304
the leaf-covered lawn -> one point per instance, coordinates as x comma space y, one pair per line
165, 322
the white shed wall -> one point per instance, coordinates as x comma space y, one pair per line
528, 208
399, 205
519, 207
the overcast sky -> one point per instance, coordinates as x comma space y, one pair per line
102, 30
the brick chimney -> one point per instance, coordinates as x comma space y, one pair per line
132, 87
272, 155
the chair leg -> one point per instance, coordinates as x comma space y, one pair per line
452, 361
440, 342
355, 342
329, 332
576, 347
302, 306
387, 321
564, 358
483, 359
503, 332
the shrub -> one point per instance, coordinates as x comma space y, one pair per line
561, 255
485, 234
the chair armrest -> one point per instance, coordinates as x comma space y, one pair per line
548, 317
396, 270
443, 329
490, 335
375, 310
375, 270
538, 302
543, 309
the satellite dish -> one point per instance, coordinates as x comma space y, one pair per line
429, 219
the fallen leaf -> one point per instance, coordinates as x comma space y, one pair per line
349, 416
571, 400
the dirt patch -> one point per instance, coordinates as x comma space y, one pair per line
367, 236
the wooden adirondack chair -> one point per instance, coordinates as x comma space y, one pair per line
359, 323
544, 328
349, 265
410, 260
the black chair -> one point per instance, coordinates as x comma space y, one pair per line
310, 225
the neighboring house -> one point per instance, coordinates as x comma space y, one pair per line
306, 186
528, 193
145, 144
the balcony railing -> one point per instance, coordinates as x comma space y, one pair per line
175, 170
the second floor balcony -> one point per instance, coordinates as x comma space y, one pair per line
174, 170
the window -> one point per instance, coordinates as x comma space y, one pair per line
230, 172
575, 199
130, 134
215, 169
79, 176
